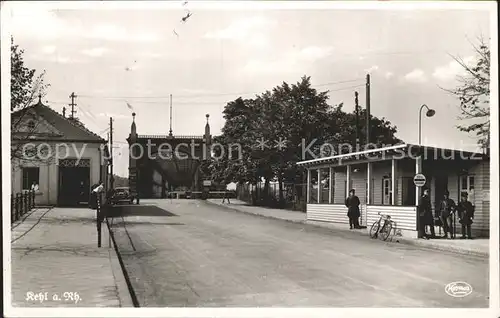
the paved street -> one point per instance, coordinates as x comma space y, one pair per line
190, 253
54, 252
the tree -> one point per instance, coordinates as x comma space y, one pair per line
24, 86
299, 116
473, 92
24, 90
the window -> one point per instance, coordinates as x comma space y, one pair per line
31, 178
467, 186
31, 125
386, 191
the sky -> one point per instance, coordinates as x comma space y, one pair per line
113, 57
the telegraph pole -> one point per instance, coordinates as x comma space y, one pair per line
170, 132
73, 111
112, 179
368, 108
356, 105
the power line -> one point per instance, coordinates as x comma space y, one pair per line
206, 95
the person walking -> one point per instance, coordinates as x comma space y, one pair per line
226, 197
466, 215
446, 209
352, 203
425, 216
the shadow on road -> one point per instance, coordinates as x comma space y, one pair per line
142, 210
129, 223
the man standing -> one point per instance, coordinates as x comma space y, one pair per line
352, 203
446, 208
425, 216
466, 215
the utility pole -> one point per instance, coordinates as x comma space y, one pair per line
170, 132
368, 109
73, 111
356, 105
112, 179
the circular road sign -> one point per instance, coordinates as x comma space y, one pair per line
419, 180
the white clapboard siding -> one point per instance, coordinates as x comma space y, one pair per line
339, 185
359, 185
336, 213
404, 216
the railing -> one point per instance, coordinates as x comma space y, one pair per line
169, 137
21, 203
293, 195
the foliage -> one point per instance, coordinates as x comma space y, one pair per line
296, 114
473, 92
24, 89
24, 86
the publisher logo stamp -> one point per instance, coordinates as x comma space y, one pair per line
458, 289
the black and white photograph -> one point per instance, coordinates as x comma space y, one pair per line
250, 158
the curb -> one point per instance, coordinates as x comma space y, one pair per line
256, 214
398, 240
121, 282
125, 283
450, 249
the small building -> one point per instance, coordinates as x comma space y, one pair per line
56, 156
383, 181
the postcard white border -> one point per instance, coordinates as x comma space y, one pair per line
251, 312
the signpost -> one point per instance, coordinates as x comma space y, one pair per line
419, 180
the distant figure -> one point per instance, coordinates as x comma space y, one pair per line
226, 197
446, 209
34, 186
94, 195
99, 188
466, 215
352, 203
425, 216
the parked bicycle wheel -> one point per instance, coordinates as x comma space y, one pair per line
386, 231
374, 229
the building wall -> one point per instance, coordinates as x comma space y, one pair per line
49, 173
481, 198
339, 186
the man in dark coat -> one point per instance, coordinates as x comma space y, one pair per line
446, 209
352, 203
466, 215
425, 216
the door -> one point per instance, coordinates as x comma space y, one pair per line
74, 186
387, 191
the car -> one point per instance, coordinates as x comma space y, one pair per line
122, 194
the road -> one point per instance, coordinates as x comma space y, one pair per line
187, 253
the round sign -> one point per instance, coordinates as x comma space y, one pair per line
419, 180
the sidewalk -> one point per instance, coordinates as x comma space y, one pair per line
55, 253
477, 247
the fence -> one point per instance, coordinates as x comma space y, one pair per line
21, 203
293, 195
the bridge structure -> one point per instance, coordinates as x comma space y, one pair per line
166, 163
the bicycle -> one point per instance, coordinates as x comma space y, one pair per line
385, 230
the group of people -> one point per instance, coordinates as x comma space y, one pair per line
444, 213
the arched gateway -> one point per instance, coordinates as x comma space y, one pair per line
161, 163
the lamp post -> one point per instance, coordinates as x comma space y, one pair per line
429, 113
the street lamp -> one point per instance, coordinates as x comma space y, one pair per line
429, 113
